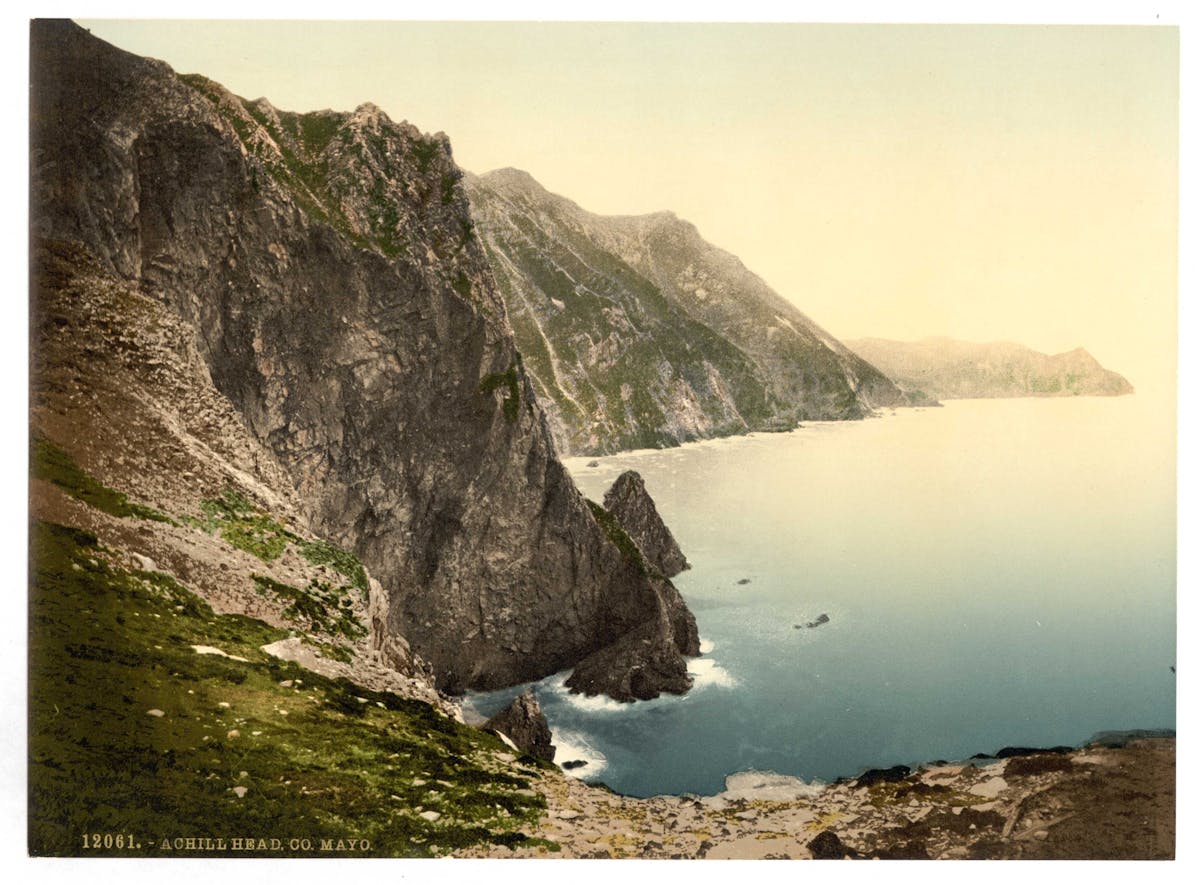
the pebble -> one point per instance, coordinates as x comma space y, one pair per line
158, 713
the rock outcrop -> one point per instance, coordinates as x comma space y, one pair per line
638, 333
525, 725
326, 270
634, 509
948, 369
1099, 803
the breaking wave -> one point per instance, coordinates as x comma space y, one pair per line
572, 746
706, 672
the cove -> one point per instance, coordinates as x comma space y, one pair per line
994, 572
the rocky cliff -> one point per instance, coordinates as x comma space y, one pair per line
325, 271
948, 369
638, 333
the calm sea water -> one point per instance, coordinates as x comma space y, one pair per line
995, 572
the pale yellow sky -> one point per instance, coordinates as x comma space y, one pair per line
984, 182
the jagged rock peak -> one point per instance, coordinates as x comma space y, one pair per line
525, 725
633, 507
370, 110
511, 176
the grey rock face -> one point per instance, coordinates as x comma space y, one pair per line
343, 304
639, 333
950, 369
647, 661
523, 722
634, 509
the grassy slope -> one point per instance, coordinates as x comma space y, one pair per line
108, 643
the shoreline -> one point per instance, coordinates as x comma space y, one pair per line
1108, 738
1092, 802
778, 782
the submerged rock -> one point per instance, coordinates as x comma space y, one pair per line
525, 725
633, 507
821, 619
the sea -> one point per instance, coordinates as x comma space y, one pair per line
991, 573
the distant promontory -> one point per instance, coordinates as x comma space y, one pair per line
944, 368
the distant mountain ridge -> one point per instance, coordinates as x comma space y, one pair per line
638, 333
949, 369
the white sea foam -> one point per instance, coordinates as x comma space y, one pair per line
706, 672
593, 704
706, 646
769, 786
571, 746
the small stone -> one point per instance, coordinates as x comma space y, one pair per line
287, 683
158, 713
233, 733
224, 704
431, 815
240, 792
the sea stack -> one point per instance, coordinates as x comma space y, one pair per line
525, 725
633, 507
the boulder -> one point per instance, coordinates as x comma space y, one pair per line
525, 725
827, 846
882, 775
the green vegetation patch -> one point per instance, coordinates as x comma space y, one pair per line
617, 534
51, 464
345, 564
133, 733
510, 381
319, 607
247, 528
243, 526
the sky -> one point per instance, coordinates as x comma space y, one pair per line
979, 181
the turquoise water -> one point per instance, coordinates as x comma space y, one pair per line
995, 572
